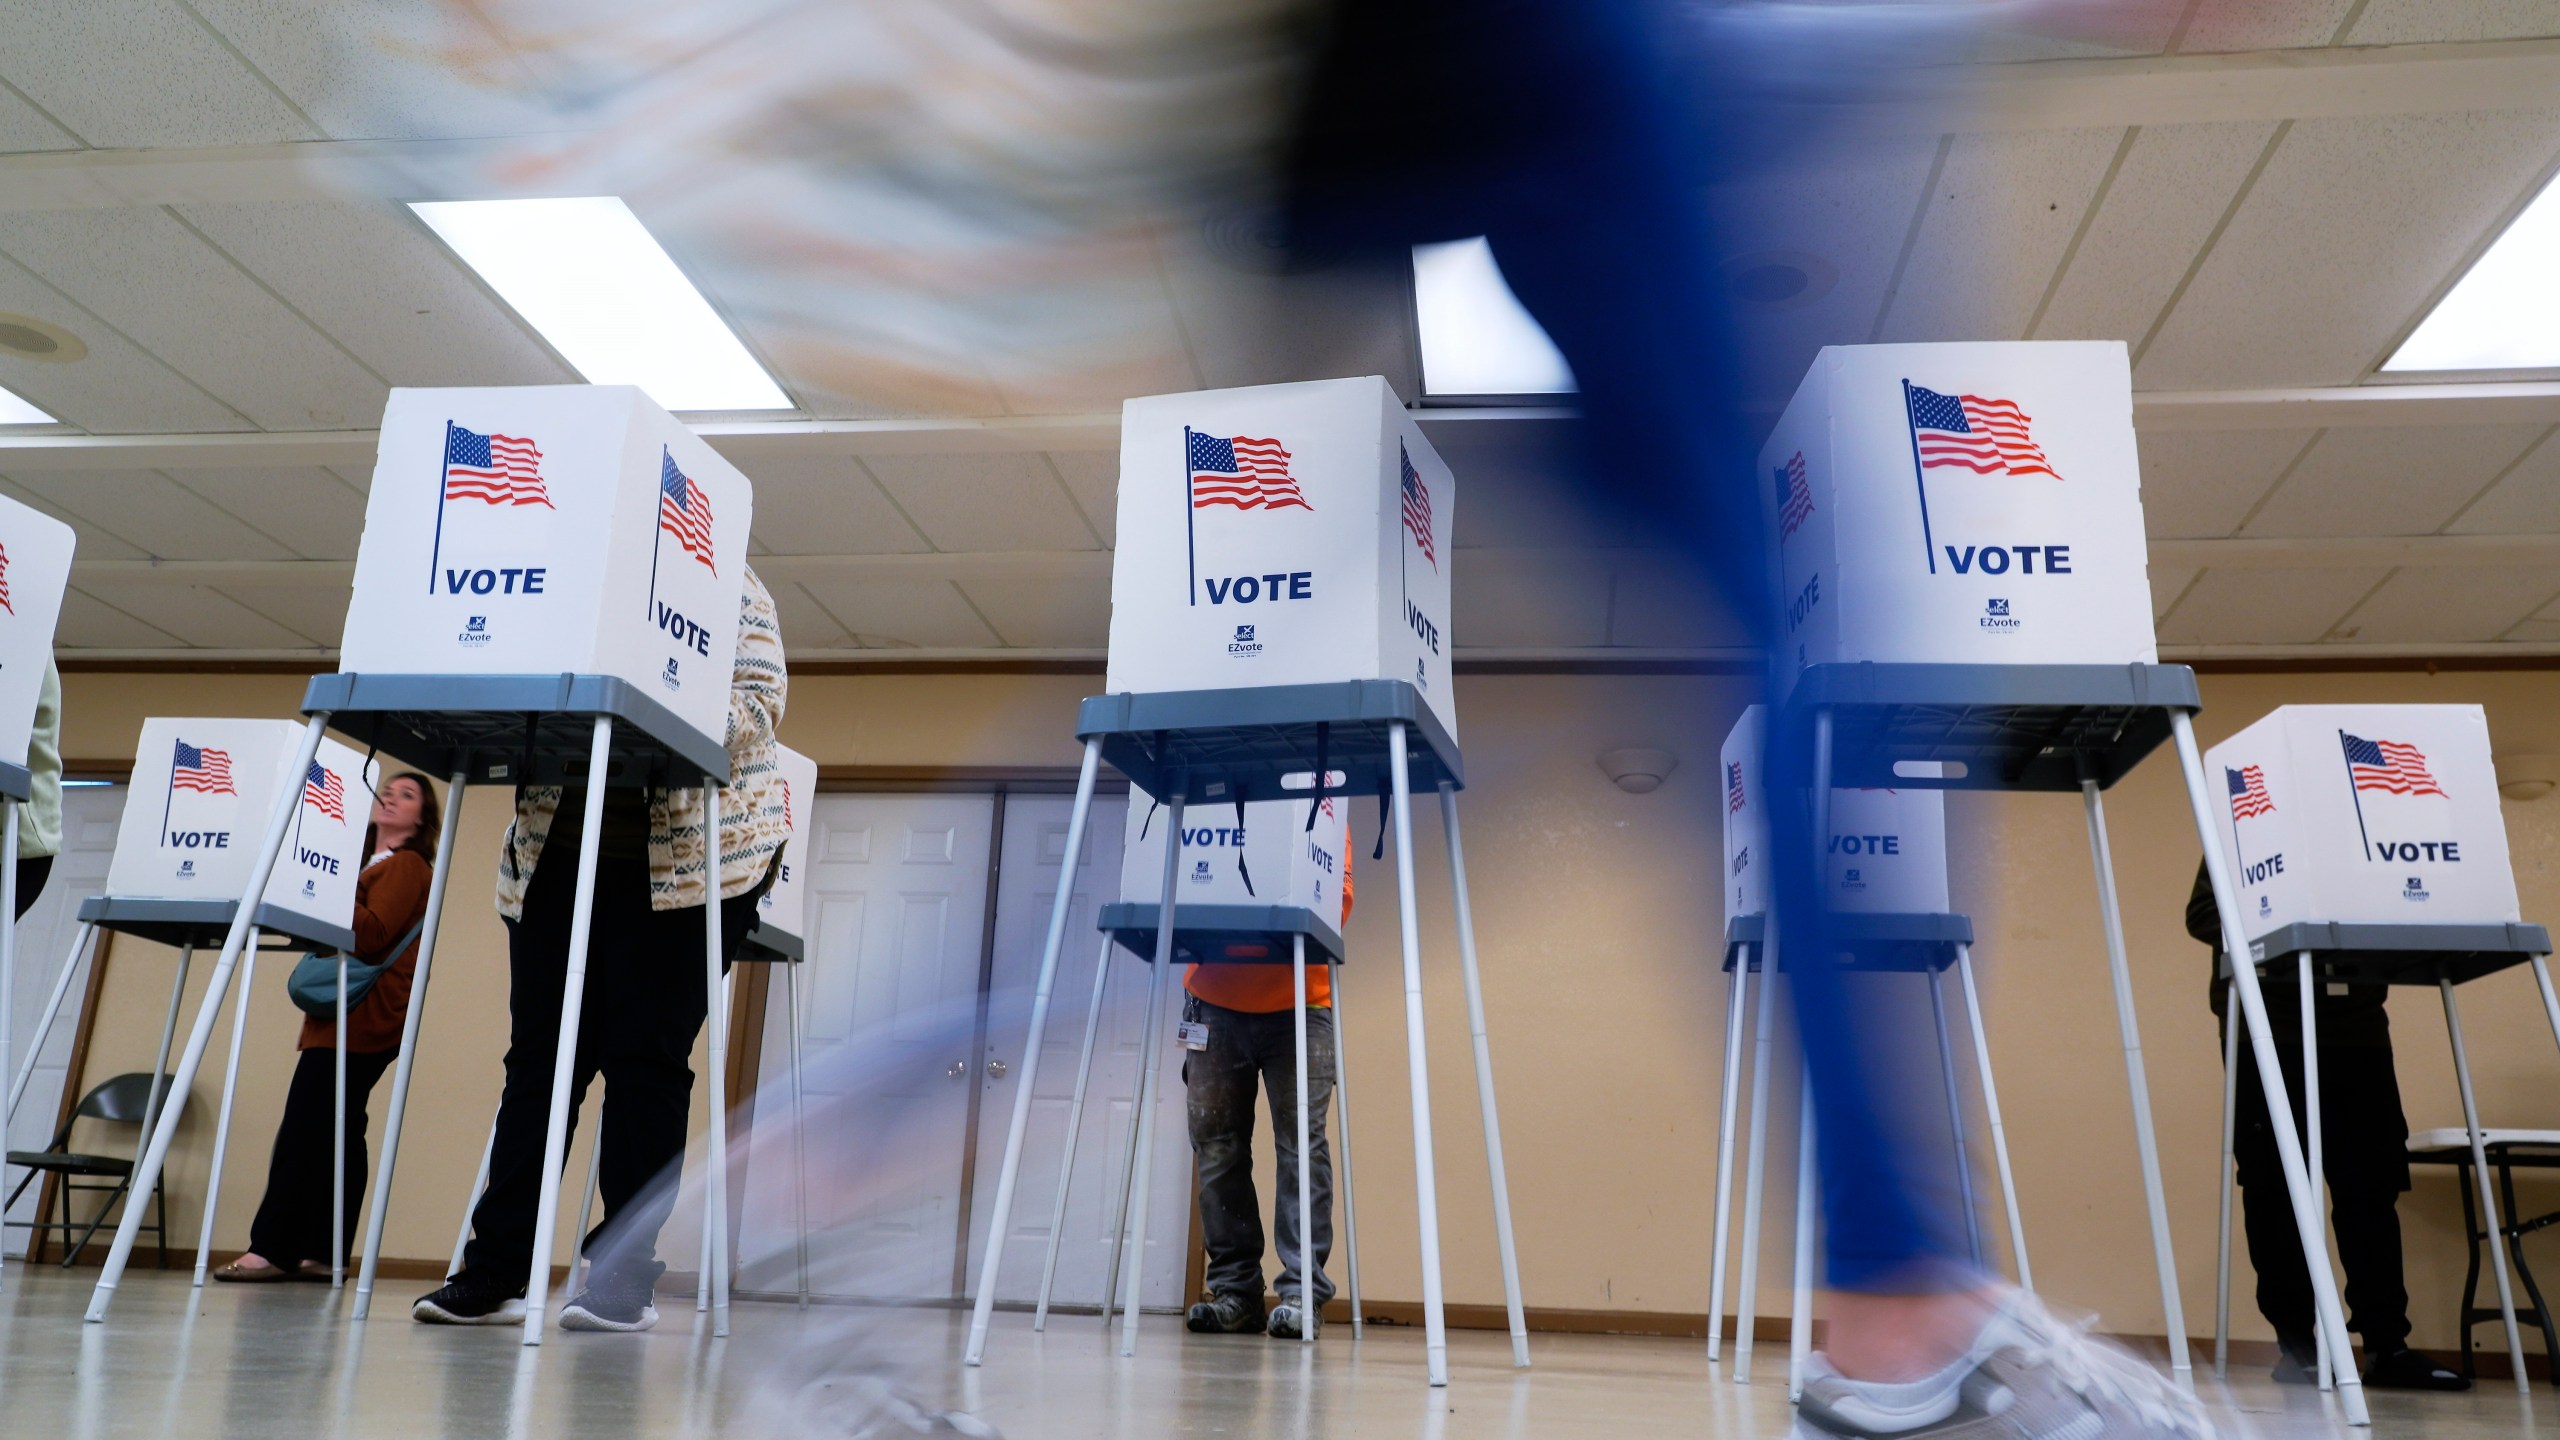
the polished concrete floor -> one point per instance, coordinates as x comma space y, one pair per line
279, 1362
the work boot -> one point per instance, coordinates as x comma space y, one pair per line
1225, 1314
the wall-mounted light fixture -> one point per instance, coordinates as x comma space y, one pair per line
1638, 772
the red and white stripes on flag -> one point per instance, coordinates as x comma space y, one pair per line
1795, 497
1243, 471
4, 581
323, 791
1975, 432
684, 511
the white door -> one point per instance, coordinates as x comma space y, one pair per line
1034, 848
89, 817
898, 896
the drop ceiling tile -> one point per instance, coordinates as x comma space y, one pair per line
2263, 24
2003, 212
92, 543
1092, 477
985, 502
1657, 603
900, 612
2407, 22
2351, 230
23, 127
2173, 186
806, 625
147, 275
2449, 605
309, 511
2402, 481
2198, 485
119, 389
2524, 501
2168, 584
1559, 602
203, 616
374, 70
150, 510
1848, 207
2535, 631
372, 278
1518, 489
357, 477
2127, 27
826, 505
89, 623
317, 613
2265, 607
1247, 328
1046, 614
134, 73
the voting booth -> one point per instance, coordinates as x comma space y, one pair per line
1246, 885
2370, 849
1279, 632
546, 592
1957, 534
35, 567
782, 912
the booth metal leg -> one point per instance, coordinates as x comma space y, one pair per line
1736, 993
2224, 1181
1075, 1131
2146, 1138
1808, 1184
155, 1154
2490, 1219
2325, 1366
1746, 1289
168, 1038
1498, 1173
8, 942
1342, 1155
716, 997
2203, 809
1991, 1115
52, 1012
479, 1182
1955, 1116
799, 1131
2541, 981
580, 1264
1307, 1319
1143, 1160
1011, 1172
378, 1201
230, 1091
705, 1259
1128, 1185
337, 1142
573, 997
1426, 1183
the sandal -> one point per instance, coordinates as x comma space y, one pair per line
262, 1274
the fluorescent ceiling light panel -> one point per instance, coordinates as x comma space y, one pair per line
1477, 339
14, 411
588, 275
2505, 314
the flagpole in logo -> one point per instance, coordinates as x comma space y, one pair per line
1919, 476
1190, 519
444, 470
2355, 792
664, 459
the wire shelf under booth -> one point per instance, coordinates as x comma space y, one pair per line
1225, 934
206, 923
2011, 727
2376, 954
1219, 744
771, 947
516, 729
1916, 944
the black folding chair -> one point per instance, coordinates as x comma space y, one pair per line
119, 1101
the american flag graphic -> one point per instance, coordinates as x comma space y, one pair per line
1795, 497
202, 769
1241, 471
1732, 786
1417, 507
684, 511
2249, 797
324, 792
498, 469
1973, 433
2388, 765
4, 581
786, 805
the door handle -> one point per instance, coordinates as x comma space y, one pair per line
995, 1069
958, 1068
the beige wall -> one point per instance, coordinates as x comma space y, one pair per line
1596, 911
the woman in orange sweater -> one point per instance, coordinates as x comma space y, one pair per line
289, 1239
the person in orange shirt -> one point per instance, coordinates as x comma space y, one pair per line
1251, 1036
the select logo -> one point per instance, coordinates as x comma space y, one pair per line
1244, 646
475, 632
1996, 616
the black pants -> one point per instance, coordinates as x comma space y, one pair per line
292, 1224
644, 1008
1219, 1082
2365, 1151
32, 873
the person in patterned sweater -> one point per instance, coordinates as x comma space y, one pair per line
638, 1027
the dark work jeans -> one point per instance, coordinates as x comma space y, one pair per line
644, 1008
1243, 1050
292, 1224
2364, 1142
